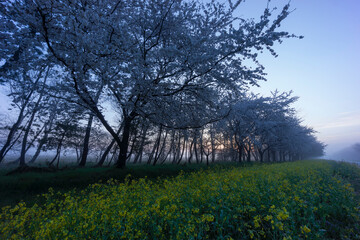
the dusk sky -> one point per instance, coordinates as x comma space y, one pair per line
323, 68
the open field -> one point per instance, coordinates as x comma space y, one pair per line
26, 186
296, 200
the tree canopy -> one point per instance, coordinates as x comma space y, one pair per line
176, 68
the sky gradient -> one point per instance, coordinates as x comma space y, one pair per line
323, 68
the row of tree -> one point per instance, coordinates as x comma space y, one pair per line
144, 81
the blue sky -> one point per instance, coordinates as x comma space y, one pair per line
323, 69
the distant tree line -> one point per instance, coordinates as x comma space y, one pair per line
143, 82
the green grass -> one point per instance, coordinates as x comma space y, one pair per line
26, 186
293, 200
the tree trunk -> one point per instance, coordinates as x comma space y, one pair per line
207, 158
191, 151
58, 149
112, 157
172, 145
24, 141
158, 146
28, 128
104, 155
12, 133
248, 151
143, 138
31, 143
16, 125
48, 128
108, 149
255, 155
274, 156
77, 154
239, 146
85, 149
176, 151
162, 149
261, 154
123, 146
213, 154
134, 142
240, 150
201, 145
195, 148
182, 153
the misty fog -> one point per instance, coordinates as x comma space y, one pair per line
348, 154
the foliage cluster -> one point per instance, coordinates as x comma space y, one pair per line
297, 200
132, 81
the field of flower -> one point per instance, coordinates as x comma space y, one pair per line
297, 200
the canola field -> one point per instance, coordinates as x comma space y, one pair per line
296, 200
